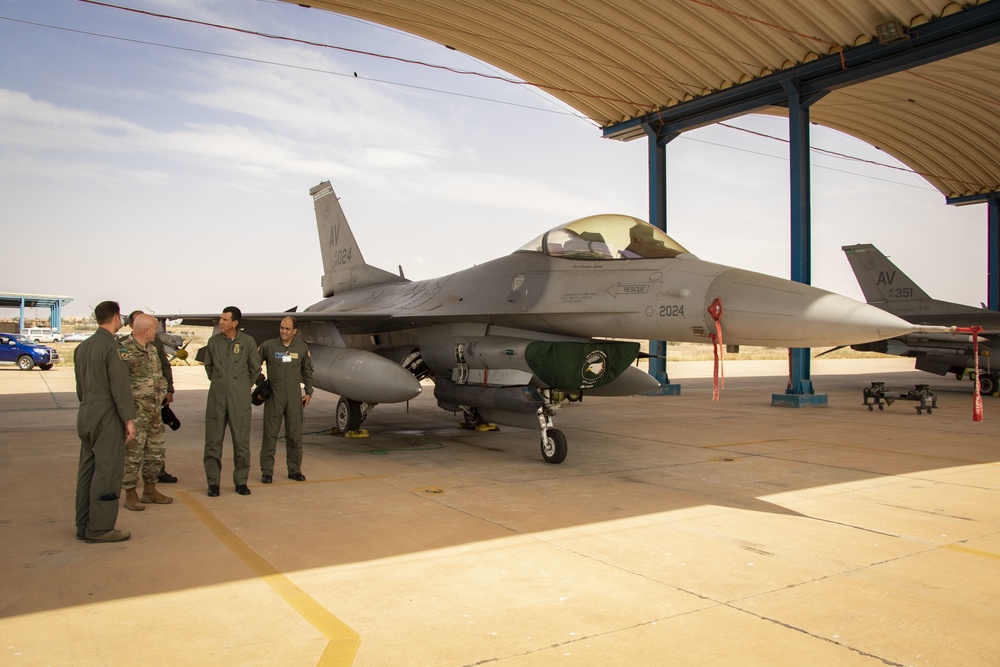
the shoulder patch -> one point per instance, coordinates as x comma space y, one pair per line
123, 353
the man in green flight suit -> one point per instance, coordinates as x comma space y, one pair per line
232, 364
288, 368
104, 422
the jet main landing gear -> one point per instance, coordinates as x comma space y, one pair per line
351, 414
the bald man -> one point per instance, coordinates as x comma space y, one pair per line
288, 369
144, 453
168, 373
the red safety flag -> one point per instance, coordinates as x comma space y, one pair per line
718, 374
977, 396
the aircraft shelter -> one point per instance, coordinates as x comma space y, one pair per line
22, 301
920, 79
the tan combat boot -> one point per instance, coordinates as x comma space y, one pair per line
151, 495
132, 501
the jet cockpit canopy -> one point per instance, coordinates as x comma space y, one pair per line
605, 237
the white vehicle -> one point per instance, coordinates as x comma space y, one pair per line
42, 335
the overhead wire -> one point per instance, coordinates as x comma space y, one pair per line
851, 158
373, 54
415, 62
288, 65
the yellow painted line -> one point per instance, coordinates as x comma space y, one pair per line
973, 552
343, 641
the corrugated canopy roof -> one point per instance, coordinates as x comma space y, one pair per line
620, 60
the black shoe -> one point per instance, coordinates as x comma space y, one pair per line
81, 533
265, 479
297, 476
242, 489
213, 490
166, 477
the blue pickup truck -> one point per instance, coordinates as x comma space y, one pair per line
16, 349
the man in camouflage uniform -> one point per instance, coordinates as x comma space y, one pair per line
168, 373
232, 364
145, 452
104, 422
288, 368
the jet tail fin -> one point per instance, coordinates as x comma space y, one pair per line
344, 267
882, 282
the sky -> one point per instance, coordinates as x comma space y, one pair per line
167, 165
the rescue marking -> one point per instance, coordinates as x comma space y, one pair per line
343, 642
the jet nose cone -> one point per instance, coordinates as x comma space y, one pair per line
763, 310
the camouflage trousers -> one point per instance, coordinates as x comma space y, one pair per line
145, 452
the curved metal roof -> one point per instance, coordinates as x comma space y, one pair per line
617, 61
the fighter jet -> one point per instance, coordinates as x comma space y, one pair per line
887, 287
504, 341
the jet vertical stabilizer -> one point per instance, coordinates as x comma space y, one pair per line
882, 283
344, 267
885, 286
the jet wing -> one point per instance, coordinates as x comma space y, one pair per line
210, 319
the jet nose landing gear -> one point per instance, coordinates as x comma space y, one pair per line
554, 446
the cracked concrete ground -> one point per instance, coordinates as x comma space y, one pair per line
679, 531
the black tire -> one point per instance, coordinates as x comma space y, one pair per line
987, 383
554, 446
472, 418
348, 415
45, 367
25, 363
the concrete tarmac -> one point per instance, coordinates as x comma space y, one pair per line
679, 531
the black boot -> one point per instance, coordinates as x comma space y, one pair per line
166, 477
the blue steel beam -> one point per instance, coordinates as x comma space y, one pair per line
961, 32
993, 284
800, 378
992, 200
658, 217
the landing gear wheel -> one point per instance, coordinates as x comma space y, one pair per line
473, 418
987, 383
25, 363
554, 446
348, 415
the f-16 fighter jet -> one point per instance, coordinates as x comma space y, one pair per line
504, 340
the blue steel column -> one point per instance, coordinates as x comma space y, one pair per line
801, 232
799, 392
993, 251
658, 140
21, 325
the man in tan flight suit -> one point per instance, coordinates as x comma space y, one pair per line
232, 364
104, 422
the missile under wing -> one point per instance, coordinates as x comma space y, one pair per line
502, 341
887, 287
